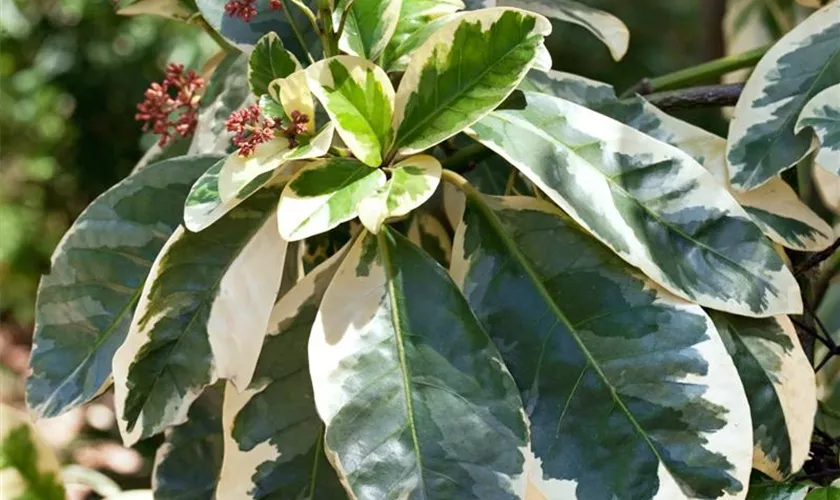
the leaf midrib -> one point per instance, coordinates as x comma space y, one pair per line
523, 262
620, 188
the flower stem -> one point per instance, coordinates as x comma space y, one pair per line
700, 73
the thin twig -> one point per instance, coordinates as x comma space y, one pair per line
697, 97
816, 259
295, 28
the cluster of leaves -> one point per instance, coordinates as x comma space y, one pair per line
582, 339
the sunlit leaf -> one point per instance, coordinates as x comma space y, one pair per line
273, 436
418, 20
762, 139
29, 468
325, 194
462, 72
172, 9
413, 181
269, 61
359, 98
629, 390
86, 302
190, 327
651, 203
415, 398
369, 27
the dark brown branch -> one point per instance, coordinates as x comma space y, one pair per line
816, 259
709, 96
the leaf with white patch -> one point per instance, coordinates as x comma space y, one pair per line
273, 436
828, 188
294, 96
774, 207
415, 397
822, 114
605, 26
187, 464
418, 19
269, 61
359, 98
323, 195
651, 203
413, 181
238, 174
629, 390
462, 72
780, 387
85, 303
427, 232
369, 26
762, 138
190, 327
29, 468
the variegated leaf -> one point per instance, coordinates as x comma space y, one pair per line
774, 207
828, 188
651, 203
85, 303
187, 464
606, 27
418, 19
226, 92
780, 387
822, 114
291, 25
269, 61
239, 174
190, 327
778, 491
369, 27
629, 390
29, 468
273, 436
325, 194
762, 139
359, 98
413, 181
415, 397
462, 72
427, 232
828, 377
294, 95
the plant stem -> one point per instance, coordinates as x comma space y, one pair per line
219, 39
697, 97
698, 74
465, 156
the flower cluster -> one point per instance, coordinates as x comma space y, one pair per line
251, 128
167, 114
246, 10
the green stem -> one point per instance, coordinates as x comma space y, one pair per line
700, 73
297, 31
219, 39
462, 158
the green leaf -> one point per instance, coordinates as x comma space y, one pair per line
762, 138
651, 203
778, 491
413, 181
418, 19
187, 465
85, 304
323, 195
274, 438
629, 390
831, 492
359, 98
369, 27
415, 397
269, 61
780, 386
822, 114
190, 327
774, 207
462, 72
29, 468
171, 9
428, 233
291, 25
226, 92
238, 174
606, 27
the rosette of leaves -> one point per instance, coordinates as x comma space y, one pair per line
616, 330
